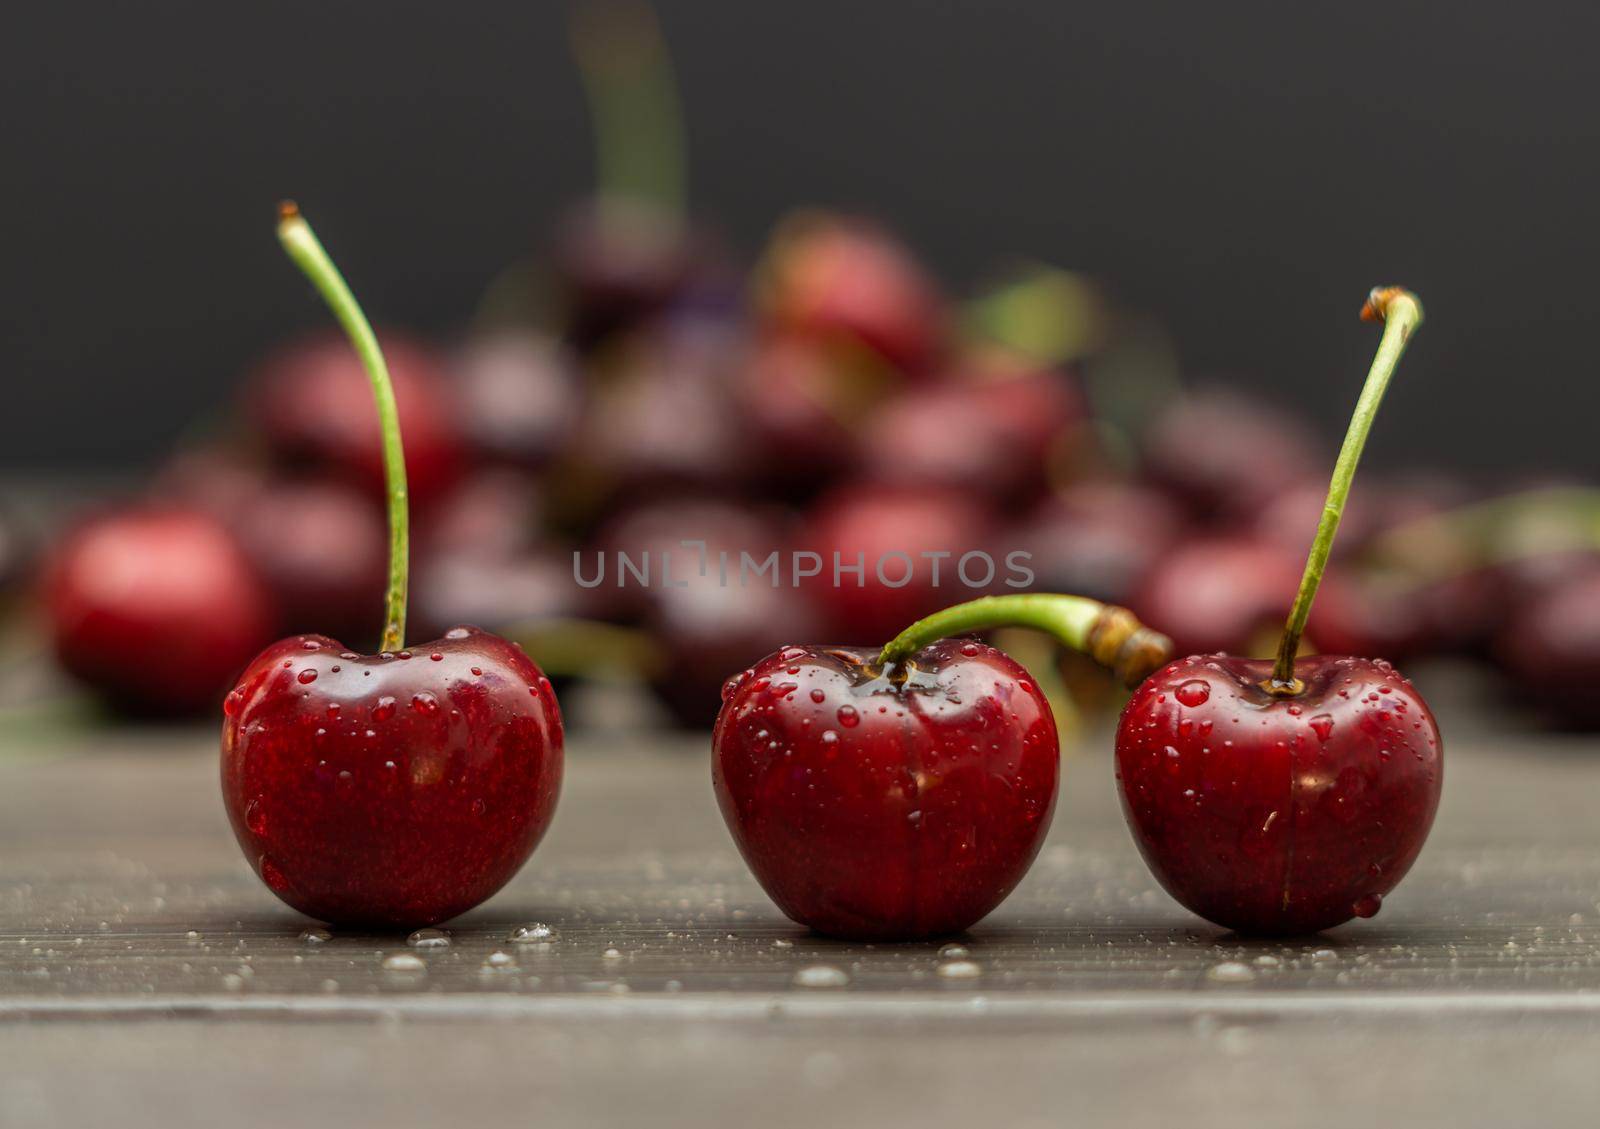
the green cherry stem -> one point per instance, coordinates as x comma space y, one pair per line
303, 247
1112, 636
1401, 314
633, 104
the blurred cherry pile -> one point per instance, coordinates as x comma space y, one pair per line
637, 386
833, 400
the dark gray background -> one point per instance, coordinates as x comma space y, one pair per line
1245, 170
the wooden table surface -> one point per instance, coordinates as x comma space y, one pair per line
148, 978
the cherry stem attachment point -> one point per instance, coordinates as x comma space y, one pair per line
1401, 314
303, 247
1112, 636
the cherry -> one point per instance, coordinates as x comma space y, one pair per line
518, 395
1286, 797
617, 265
397, 789
903, 793
880, 809
1218, 593
869, 524
1274, 814
394, 790
847, 282
1009, 419
156, 608
1551, 645
659, 421
1226, 455
1099, 538
320, 547
803, 406
623, 256
309, 401
705, 625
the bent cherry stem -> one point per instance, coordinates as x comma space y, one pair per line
306, 250
1111, 635
1401, 313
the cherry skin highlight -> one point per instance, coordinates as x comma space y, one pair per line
875, 808
1277, 814
390, 791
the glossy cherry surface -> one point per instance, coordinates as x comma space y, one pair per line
156, 609
1279, 815
388, 790
872, 808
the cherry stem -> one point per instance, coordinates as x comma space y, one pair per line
633, 105
1112, 636
303, 247
1401, 313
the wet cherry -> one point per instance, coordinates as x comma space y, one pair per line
871, 807
310, 402
846, 282
156, 608
398, 789
902, 793
1289, 796
390, 790
1278, 815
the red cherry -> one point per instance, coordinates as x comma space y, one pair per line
1219, 594
866, 525
616, 264
390, 791
312, 402
802, 404
518, 395
843, 279
1551, 645
1227, 455
660, 418
157, 609
992, 432
1279, 814
322, 550
877, 809
1287, 796
1099, 539
397, 789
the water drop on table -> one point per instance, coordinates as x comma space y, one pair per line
316, 935
953, 951
499, 961
1230, 972
960, 970
533, 933
404, 963
429, 939
821, 976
